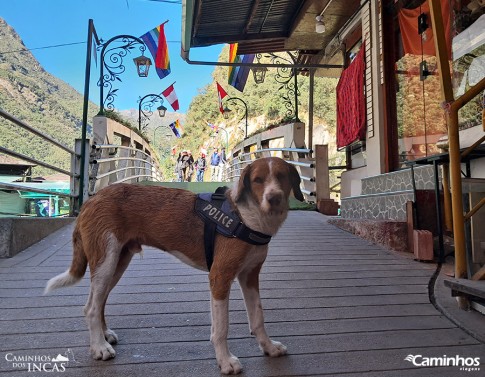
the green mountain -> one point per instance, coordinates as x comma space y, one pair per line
43, 101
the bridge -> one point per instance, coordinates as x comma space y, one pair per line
342, 305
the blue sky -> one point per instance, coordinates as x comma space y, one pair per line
43, 23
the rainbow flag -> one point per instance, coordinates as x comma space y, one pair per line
176, 128
238, 76
157, 44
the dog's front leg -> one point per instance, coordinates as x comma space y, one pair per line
249, 282
228, 363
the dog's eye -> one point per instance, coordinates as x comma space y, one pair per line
258, 180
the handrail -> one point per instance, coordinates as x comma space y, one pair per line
139, 164
452, 106
132, 177
99, 176
73, 173
111, 159
35, 161
24, 125
110, 146
296, 150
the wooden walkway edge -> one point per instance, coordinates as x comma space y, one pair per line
342, 306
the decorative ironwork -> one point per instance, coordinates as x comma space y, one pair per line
112, 62
287, 77
145, 109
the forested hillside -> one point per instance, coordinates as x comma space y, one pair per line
43, 101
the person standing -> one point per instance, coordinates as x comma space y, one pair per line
184, 166
215, 159
190, 167
222, 164
200, 166
178, 168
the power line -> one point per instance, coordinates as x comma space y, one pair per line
54, 46
41, 48
168, 1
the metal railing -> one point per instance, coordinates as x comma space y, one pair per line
27, 186
111, 164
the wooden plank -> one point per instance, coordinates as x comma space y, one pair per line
467, 287
341, 305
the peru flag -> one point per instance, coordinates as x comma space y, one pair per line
221, 93
171, 97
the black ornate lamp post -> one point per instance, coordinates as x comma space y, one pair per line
227, 111
112, 61
145, 109
284, 76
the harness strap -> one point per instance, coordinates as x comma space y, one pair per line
209, 240
210, 228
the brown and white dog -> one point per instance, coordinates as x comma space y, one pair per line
116, 222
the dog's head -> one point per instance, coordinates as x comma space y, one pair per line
268, 182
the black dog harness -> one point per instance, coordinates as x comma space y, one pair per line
218, 216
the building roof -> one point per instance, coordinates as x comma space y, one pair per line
265, 25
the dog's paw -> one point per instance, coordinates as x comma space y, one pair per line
230, 365
111, 336
273, 349
103, 352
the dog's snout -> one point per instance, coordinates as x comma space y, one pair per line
274, 198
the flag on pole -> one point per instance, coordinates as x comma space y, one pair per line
213, 126
221, 93
171, 97
157, 44
176, 128
238, 76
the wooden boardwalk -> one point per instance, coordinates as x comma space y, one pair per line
342, 306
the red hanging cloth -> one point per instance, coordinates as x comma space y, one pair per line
411, 39
351, 120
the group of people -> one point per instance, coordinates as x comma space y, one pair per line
186, 166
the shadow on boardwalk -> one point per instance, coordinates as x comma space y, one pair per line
343, 307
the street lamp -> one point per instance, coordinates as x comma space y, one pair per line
223, 129
154, 133
145, 109
228, 110
142, 65
112, 61
259, 74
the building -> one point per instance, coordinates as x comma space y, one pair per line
403, 123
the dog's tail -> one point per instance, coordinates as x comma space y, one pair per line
77, 269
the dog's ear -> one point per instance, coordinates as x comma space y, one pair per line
244, 184
295, 182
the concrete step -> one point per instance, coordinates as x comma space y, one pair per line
399, 181
380, 206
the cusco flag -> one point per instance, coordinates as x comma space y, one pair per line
157, 44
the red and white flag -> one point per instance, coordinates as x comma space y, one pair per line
171, 97
221, 93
